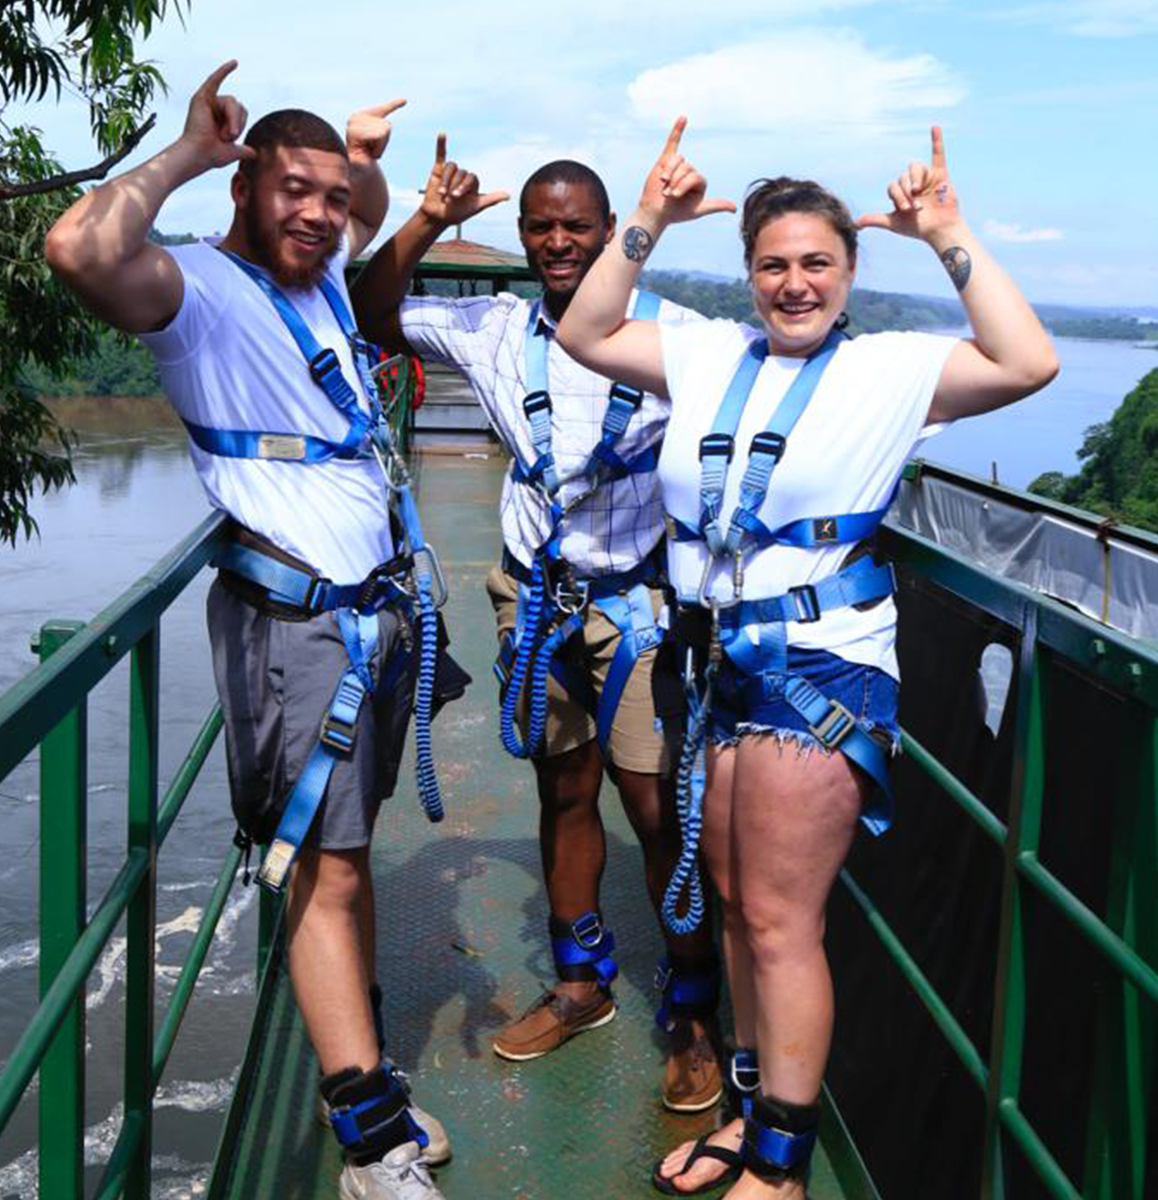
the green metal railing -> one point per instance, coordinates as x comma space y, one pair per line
48, 709
1053, 635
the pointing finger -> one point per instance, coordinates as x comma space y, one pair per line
874, 221
440, 150
384, 110
673, 138
491, 199
210, 86
938, 149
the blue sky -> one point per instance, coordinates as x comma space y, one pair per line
1050, 112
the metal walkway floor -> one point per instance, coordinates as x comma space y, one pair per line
462, 948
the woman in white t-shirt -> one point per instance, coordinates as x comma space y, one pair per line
801, 659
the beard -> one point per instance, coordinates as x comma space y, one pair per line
265, 243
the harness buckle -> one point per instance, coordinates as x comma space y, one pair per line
324, 364
312, 599
837, 724
717, 445
337, 734
536, 402
587, 931
570, 595
383, 574
766, 442
806, 602
623, 391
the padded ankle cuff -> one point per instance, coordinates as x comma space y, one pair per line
689, 989
368, 1112
779, 1138
582, 949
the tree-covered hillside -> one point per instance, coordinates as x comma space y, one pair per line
868, 311
1119, 476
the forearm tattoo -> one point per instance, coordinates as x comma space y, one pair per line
959, 265
637, 243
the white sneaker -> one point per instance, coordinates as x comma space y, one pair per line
401, 1175
437, 1152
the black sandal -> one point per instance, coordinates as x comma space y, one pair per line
731, 1158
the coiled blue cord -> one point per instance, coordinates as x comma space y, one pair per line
540, 672
532, 618
690, 780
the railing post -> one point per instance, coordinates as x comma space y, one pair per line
1007, 1039
142, 911
1126, 1047
63, 877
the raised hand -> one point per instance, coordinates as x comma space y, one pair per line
214, 123
452, 194
368, 131
924, 199
674, 190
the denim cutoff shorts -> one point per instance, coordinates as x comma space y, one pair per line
754, 704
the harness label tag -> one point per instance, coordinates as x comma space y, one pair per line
824, 529
281, 446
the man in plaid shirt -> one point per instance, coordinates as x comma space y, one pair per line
564, 222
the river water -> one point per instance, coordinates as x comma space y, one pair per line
135, 497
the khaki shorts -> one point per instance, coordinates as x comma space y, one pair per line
646, 728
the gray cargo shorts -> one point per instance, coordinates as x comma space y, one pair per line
275, 680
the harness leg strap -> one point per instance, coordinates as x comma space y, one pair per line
779, 1138
582, 949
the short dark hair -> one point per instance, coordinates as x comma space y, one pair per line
296, 129
768, 199
566, 170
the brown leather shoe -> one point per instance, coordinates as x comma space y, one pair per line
692, 1080
550, 1021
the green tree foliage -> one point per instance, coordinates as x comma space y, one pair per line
48, 47
1119, 475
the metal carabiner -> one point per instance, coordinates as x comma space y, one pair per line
570, 598
440, 591
706, 601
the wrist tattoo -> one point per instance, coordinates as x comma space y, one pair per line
959, 265
637, 243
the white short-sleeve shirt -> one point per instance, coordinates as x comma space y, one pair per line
227, 361
844, 455
484, 337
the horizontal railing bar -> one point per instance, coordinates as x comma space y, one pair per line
178, 791
112, 1181
191, 970
957, 1038
954, 788
35, 704
1098, 932
1124, 665
1091, 522
1044, 1164
68, 983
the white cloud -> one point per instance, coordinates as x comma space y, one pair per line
1001, 231
806, 82
1092, 18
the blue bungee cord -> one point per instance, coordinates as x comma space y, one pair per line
532, 618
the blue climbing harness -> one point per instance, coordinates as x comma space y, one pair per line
552, 602
732, 622
411, 582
